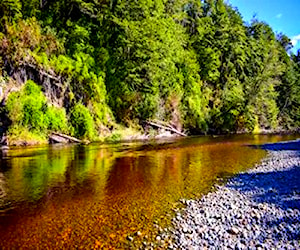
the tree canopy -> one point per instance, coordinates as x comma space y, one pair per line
193, 64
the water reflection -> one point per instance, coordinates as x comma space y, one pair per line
96, 195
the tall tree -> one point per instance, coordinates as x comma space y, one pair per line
148, 62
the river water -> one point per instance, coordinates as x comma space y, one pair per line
95, 196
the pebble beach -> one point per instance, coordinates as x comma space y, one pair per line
257, 209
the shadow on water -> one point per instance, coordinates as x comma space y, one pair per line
290, 145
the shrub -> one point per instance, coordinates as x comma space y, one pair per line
82, 122
56, 119
28, 108
20, 136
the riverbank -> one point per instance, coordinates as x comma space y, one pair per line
257, 209
122, 134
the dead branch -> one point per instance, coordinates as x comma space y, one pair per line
169, 128
62, 138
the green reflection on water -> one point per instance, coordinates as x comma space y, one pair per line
94, 196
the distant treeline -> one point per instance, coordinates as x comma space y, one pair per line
93, 64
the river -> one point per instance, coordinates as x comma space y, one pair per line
95, 196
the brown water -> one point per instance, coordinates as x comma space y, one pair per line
95, 196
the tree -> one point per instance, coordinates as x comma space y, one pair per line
262, 76
147, 62
9, 10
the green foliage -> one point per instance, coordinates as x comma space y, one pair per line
82, 122
101, 113
19, 136
193, 64
153, 49
24, 42
28, 108
114, 137
9, 10
56, 119
288, 100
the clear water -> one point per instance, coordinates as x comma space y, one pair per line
95, 196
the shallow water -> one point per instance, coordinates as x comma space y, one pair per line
95, 196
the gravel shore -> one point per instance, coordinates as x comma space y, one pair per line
257, 209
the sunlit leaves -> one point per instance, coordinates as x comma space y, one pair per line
193, 62
28, 108
10, 10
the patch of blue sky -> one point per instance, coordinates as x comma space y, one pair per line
282, 15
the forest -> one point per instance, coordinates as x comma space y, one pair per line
89, 68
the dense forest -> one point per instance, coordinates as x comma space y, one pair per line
88, 67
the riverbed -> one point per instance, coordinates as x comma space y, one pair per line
114, 195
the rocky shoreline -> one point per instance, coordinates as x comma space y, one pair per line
257, 209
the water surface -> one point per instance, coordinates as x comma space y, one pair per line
95, 196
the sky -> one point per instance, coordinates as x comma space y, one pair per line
282, 15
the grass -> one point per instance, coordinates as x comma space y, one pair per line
121, 133
21, 136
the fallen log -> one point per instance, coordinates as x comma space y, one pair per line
164, 124
62, 138
57, 139
169, 128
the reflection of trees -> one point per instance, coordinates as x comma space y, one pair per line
57, 171
2, 190
70, 188
87, 170
90, 193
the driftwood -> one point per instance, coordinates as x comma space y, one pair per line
168, 127
61, 138
57, 139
